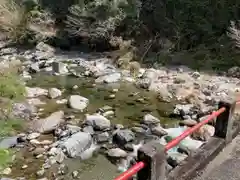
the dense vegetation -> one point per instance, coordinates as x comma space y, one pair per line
173, 31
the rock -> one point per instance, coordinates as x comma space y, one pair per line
46, 142
234, 72
25, 166
23, 110
35, 92
158, 131
183, 110
75, 174
75, 87
38, 151
63, 169
40, 173
195, 75
78, 102
34, 142
34, 68
150, 119
143, 83
111, 96
35, 102
162, 90
6, 171
174, 158
54, 93
123, 136
44, 47
103, 137
204, 132
59, 68
108, 114
109, 78
8, 142
77, 144
62, 101
73, 129
33, 136
188, 122
60, 156
138, 130
48, 124
98, 122
118, 126
117, 153
88, 129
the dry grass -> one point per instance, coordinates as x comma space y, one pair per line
234, 32
17, 24
12, 19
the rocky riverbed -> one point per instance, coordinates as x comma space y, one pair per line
82, 113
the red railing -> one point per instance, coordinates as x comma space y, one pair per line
140, 165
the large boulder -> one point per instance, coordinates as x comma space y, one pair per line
77, 144
78, 102
48, 124
98, 122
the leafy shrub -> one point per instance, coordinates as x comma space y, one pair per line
234, 32
98, 19
10, 85
10, 126
5, 158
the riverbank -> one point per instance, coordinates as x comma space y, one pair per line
81, 112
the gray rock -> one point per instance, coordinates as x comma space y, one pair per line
78, 102
103, 137
33, 136
73, 129
88, 129
138, 130
60, 156
174, 158
54, 93
117, 153
34, 68
185, 109
48, 124
143, 83
77, 144
98, 122
23, 110
63, 169
35, 92
75, 174
123, 136
188, 122
40, 173
158, 131
109, 78
150, 119
44, 47
59, 68
8, 142
234, 72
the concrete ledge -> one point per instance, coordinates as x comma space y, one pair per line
190, 167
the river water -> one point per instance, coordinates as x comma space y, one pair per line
130, 105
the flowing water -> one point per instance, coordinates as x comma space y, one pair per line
130, 104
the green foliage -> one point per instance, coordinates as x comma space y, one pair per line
98, 19
10, 86
5, 158
10, 126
